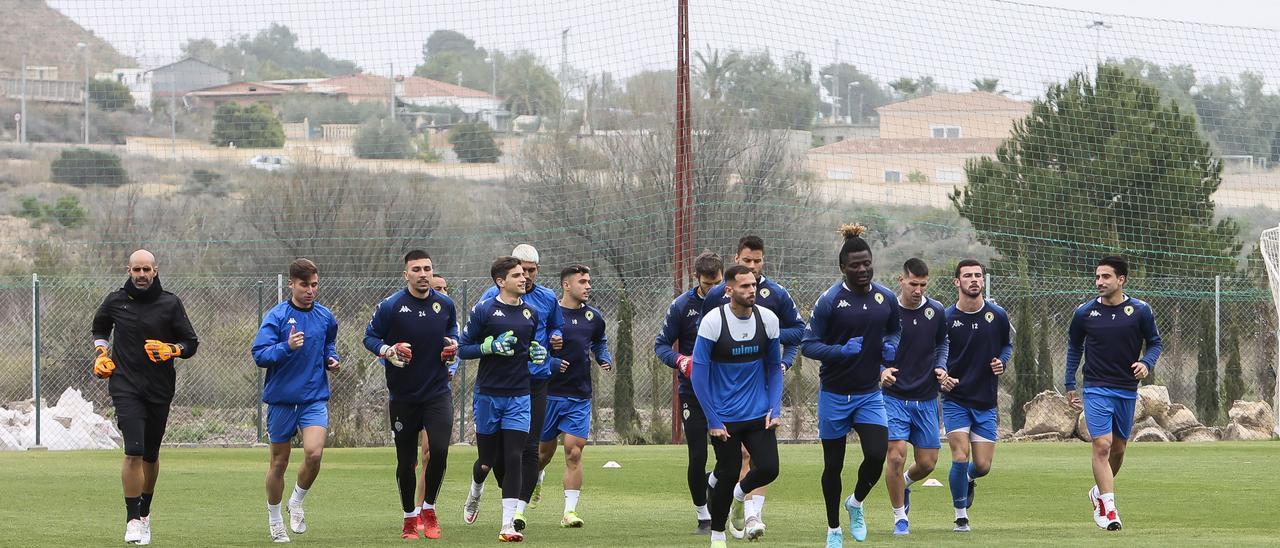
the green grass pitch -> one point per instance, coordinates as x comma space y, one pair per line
1169, 495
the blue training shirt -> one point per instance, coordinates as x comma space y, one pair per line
546, 306
922, 348
423, 323
679, 333
499, 375
1111, 340
976, 338
295, 377
737, 366
584, 335
841, 314
771, 295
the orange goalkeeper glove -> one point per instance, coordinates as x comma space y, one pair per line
103, 367
159, 351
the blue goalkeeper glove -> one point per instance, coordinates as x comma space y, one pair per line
890, 352
853, 347
537, 353
502, 345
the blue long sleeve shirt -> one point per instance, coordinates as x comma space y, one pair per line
737, 366
1111, 340
841, 314
499, 375
975, 338
679, 333
922, 348
771, 295
424, 324
296, 377
546, 306
584, 336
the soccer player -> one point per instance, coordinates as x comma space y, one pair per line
773, 296
910, 389
441, 286
546, 309
151, 329
500, 333
853, 330
569, 392
981, 343
414, 332
296, 345
674, 347
1110, 332
737, 374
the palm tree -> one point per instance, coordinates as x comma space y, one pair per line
713, 70
989, 85
905, 86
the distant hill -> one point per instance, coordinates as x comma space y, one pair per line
49, 39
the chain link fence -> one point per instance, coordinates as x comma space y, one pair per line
1219, 346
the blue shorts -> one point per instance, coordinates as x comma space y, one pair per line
569, 415
494, 413
979, 423
837, 413
913, 421
1109, 411
285, 420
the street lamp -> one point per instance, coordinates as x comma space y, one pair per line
1097, 27
835, 94
85, 48
850, 100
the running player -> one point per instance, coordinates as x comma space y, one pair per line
981, 343
737, 374
853, 330
143, 316
296, 345
1110, 332
414, 332
569, 392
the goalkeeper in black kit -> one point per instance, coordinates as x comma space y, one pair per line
150, 329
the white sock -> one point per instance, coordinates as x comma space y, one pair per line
1108, 501
298, 494
520, 506
711, 481
854, 502
508, 511
541, 475
962, 513
906, 477
759, 506
703, 512
717, 535
428, 506
738, 494
899, 513
274, 517
412, 514
749, 509
835, 530
476, 488
571, 500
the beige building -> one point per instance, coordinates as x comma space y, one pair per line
922, 140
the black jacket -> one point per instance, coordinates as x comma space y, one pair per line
136, 316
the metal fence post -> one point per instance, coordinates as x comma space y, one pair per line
987, 287
462, 374
258, 416
1217, 320
35, 350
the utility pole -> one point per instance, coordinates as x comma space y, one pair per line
835, 87
393, 91
683, 183
22, 123
85, 47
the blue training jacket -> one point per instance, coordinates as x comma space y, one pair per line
295, 376
679, 333
771, 295
546, 306
1111, 339
423, 323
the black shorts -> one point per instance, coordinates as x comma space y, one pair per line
142, 424
434, 415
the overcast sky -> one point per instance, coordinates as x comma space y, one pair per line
1025, 44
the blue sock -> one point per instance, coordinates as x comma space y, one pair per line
959, 483
973, 472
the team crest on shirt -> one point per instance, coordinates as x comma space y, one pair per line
990, 317
879, 298
1128, 310
435, 307
590, 315
527, 314
399, 426
928, 313
764, 293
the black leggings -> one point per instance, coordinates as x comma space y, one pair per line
875, 444
695, 436
407, 421
507, 445
529, 465
762, 444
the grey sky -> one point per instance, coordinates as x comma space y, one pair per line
1025, 44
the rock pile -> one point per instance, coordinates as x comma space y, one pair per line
1049, 417
71, 424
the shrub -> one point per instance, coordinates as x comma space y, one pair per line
84, 167
110, 95
382, 140
473, 143
253, 126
